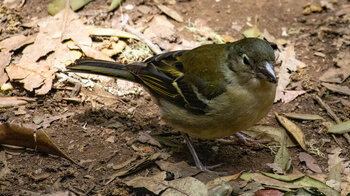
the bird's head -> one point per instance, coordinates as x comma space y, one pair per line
253, 57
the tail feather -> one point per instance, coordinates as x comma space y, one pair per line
101, 67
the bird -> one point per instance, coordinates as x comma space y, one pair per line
211, 91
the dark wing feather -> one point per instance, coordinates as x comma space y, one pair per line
163, 76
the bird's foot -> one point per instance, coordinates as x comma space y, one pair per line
250, 141
208, 169
198, 163
240, 138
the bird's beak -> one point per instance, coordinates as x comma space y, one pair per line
269, 73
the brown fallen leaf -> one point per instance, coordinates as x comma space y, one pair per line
138, 165
337, 88
158, 183
269, 133
289, 64
310, 162
338, 75
147, 138
37, 73
11, 134
95, 54
170, 12
14, 101
6, 48
293, 129
180, 169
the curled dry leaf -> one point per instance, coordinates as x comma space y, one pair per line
20, 136
303, 116
340, 128
310, 162
293, 129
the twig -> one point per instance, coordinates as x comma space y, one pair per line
332, 115
132, 30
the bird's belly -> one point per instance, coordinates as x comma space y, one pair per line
229, 114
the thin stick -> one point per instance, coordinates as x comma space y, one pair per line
331, 114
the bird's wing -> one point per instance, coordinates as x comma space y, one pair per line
163, 75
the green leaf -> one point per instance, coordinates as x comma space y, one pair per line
114, 5
56, 6
283, 159
340, 128
286, 178
307, 181
77, 4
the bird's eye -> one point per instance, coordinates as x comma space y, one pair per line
245, 60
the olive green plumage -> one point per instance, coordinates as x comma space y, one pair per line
208, 92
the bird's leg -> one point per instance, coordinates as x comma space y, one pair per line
198, 163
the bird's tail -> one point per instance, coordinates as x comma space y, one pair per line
102, 67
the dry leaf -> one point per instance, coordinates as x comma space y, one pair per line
5, 59
289, 63
180, 169
335, 168
178, 187
338, 75
38, 75
268, 192
146, 138
303, 116
291, 95
20, 136
268, 133
338, 89
6, 47
98, 31
170, 12
95, 54
272, 182
155, 184
14, 101
310, 162
293, 129
167, 29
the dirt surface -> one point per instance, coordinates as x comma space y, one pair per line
99, 136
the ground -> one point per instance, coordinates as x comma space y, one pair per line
86, 135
